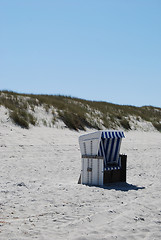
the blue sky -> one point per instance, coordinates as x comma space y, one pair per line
105, 50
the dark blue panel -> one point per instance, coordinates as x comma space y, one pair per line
106, 148
100, 150
106, 134
117, 148
111, 149
102, 136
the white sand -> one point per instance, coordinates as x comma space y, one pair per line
40, 198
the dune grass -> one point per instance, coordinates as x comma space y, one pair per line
77, 113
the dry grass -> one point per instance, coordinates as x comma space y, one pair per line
77, 113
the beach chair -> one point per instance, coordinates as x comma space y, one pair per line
101, 160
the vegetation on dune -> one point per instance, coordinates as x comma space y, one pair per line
76, 113
20, 118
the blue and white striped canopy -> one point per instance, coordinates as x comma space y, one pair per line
110, 147
112, 134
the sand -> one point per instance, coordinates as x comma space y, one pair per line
40, 197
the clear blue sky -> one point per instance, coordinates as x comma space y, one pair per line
108, 50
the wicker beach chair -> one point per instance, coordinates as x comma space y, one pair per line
101, 159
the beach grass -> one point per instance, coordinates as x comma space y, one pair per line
77, 114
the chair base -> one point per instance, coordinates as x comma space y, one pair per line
112, 176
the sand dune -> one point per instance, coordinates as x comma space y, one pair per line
40, 197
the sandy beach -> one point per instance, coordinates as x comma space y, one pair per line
40, 198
